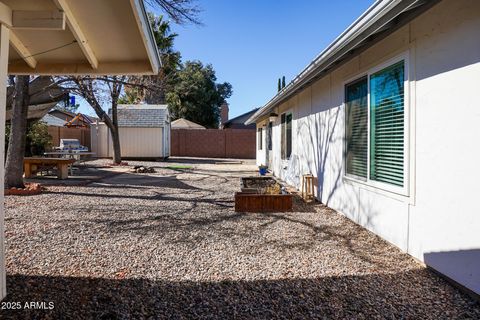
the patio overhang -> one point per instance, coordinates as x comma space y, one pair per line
53, 37
380, 20
70, 37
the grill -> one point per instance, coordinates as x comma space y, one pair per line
71, 145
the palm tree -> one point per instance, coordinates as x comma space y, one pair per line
152, 89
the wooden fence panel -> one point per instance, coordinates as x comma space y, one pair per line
82, 134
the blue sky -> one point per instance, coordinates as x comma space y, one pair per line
251, 43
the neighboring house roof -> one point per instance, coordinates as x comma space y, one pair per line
142, 115
72, 119
72, 39
35, 112
380, 20
88, 118
185, 124
80, 120
62, 114
53, 121
44, 95
239, 120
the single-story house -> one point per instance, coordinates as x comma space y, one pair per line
144, 133
183, 123
72, 119
53, 121
63, 124
387, 119
44, 95
66, 125
238, 122
72, 41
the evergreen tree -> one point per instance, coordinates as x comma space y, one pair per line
196, 96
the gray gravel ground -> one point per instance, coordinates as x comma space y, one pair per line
170, 246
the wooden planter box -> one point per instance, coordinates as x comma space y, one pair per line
254, 199
251, 202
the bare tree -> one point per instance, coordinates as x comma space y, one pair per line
180, 11
18, 132
22, 93
92, 89
96, 91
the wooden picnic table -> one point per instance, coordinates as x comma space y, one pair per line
31, 164
71, 154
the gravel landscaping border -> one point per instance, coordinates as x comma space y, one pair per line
168, 245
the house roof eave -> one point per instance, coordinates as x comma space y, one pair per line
378, 18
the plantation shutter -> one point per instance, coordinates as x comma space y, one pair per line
260, 139
286, 135
269, 135
289, 135
357, 128
282, 137
387, 125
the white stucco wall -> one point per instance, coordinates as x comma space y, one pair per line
438, 220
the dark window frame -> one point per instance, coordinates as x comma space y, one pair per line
286, 135
259, 139
270, 136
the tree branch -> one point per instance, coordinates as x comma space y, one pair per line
180, 11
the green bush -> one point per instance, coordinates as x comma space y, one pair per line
37, 140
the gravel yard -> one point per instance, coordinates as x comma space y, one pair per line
169, 245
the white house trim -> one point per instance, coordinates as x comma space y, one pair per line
375, 19
434, 217
403, 191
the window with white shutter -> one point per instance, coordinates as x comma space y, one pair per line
375, 128
387, 127
260, 139
286, 135
356, 104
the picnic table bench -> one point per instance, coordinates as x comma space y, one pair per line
31, 165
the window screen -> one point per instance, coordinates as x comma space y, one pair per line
356, 104
269, 135
289, 135
286, 137
260, 139
387, 125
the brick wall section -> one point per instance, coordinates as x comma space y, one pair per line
213, 143
82, 134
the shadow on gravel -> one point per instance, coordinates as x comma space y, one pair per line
156, 197
413, 294
130, 180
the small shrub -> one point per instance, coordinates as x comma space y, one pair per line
38, 139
